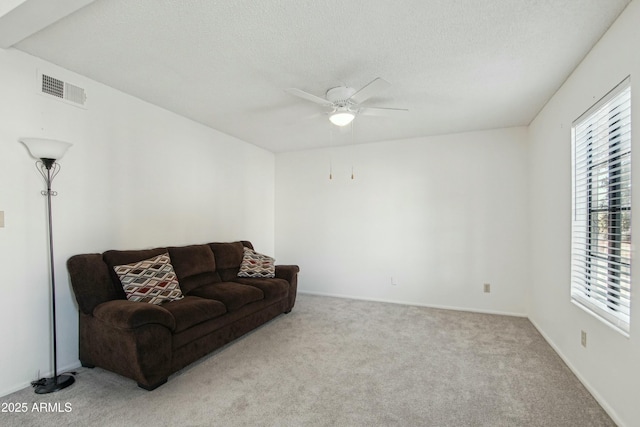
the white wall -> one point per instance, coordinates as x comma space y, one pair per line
137, 176
609, 366
441, 215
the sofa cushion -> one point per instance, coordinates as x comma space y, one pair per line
151, 280
192, 310
131, 315
232, 295
271, 288
228, 258
192, 260
255, 264
228, 255
115, 257
194, 265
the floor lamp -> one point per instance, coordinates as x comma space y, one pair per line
48, 151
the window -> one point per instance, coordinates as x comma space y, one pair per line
601, 224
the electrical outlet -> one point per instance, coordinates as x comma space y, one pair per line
394, 281
487, 288
583, 338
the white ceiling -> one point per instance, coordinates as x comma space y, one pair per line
457, 65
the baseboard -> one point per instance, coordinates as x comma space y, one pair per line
602, 402
61, 370
400, 302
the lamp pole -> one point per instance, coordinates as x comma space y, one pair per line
47, 152
48, 168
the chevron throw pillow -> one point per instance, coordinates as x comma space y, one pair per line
256, 265
151, 280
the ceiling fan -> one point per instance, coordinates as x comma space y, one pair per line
345, 101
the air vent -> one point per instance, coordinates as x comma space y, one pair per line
52, 86
62, 90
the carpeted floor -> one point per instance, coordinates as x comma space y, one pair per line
340, 362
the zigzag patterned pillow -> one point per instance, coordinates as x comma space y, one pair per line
151, 280
256, 265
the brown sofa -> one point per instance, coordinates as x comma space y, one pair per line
148, 342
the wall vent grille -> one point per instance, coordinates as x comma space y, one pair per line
52, 86
62, 90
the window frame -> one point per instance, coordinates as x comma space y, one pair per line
591, 260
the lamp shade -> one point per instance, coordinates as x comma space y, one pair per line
42, 148
342, 117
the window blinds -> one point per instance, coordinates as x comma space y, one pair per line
601, 224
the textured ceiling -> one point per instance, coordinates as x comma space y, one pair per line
457, 65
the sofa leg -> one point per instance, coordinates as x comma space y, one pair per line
87, 365
152, 386
287, 312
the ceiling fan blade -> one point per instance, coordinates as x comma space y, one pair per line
374, 87
308, 96
378, 111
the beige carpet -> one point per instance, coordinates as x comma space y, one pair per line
339, 362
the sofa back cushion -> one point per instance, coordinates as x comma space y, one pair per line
194, 265
91, 281
114, 257
228, 258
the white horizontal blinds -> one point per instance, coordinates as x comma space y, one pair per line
601, 226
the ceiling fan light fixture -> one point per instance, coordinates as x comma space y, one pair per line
342, 117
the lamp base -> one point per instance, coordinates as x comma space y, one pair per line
55, 384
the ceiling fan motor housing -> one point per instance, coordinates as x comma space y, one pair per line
340, 95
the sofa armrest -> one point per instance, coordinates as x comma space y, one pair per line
127, 314
287, 272
290, 274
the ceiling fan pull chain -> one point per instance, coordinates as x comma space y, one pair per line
352, 143
330, 153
